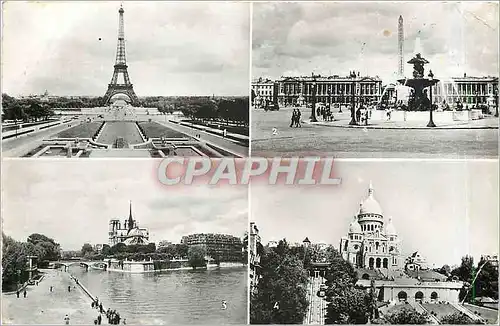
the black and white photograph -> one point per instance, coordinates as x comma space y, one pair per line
412, 242
123, 249
375, 79
131, 79
249, 162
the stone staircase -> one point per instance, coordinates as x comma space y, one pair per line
419, 308
468, 313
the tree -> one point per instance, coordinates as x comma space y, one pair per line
406, 316
346, 304
106, 250
196, 257
340, 273
457, 318
182, 250
280, 296
465, 273
371, 301
14, 262
118, 248
87, 250
445, 270
46, 248
486, 284
245, 248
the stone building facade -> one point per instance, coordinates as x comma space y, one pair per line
328, 89
221, 247
467, 90
264, 91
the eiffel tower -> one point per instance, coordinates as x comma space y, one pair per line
115, 87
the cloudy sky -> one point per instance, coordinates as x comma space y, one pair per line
69, 48
442, 209
73, 202
335, 38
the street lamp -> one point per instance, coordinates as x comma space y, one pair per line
329, 99
341, 98
353, 104
431, 121
313, 110
495, 93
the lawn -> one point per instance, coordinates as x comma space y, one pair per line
156, 130
441, 309
400, 306
489, 314
83, 130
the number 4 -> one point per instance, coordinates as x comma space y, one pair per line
276, 305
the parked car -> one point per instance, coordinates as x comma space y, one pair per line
272, 107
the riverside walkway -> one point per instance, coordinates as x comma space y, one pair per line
48, 308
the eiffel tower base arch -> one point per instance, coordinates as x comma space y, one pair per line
114, 89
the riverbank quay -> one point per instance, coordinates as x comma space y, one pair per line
41, 306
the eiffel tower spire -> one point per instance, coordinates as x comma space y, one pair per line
117, 86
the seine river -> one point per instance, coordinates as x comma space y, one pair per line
174, 297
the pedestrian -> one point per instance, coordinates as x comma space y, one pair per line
69, 288
118, 319
66, 320
95, 321
25, 293
100, 308
51, 288
92, 304
297, 119
124, 321
293, 119
99, 319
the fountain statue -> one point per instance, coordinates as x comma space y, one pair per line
418, 66
418, 100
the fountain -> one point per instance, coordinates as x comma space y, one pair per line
418, 100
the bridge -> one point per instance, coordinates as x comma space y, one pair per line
86, 264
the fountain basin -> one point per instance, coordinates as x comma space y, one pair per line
423, 116
418, 83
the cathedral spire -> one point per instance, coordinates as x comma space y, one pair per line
130, 219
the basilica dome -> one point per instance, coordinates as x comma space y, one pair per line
354, 227
390, 229
370, 205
